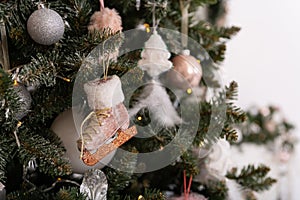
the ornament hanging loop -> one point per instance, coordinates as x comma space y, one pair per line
154, 5
101, 4
4, 60
41, 4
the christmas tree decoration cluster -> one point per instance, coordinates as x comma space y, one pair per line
66, 118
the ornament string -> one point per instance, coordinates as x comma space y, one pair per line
155, 22
105, 60
101, 4
15, 134
81, 133
153, 16
4, 56
186, 189
184, 7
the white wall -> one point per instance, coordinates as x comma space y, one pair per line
264, 58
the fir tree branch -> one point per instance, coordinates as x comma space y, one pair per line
253, 178
49, 156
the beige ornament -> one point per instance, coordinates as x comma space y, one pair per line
65, 129
104, 93
106, 127
105, 19
155, 56
187, 71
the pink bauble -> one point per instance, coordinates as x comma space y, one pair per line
106, 19
186, 73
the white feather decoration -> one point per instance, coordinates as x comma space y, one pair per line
155, 98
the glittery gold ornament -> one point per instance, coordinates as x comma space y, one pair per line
186, 70
45, 26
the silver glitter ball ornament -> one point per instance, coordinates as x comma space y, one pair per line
45, 26
24, 99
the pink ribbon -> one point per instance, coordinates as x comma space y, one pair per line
101, 4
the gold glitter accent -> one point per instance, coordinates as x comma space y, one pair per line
102, 114
123, 136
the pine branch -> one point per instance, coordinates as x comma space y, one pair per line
7, 147
234, 114
213, 39
216, 190
253, 178
119, 180
71, 193
49, 156
41, 71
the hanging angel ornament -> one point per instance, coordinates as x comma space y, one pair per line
154, 61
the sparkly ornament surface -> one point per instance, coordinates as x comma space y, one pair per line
24, 99
186, 70
94, 185
45, 26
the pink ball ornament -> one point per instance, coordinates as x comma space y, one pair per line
187, 69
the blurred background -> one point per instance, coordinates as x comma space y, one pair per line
264, 59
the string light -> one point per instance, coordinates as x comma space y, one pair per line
147, 27
15, 82
19, 124
63, 78
141, 197
189, 91
139, 118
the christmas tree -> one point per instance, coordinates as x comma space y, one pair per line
88, 86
